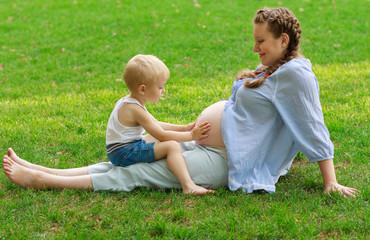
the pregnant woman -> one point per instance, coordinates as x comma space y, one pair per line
273, 113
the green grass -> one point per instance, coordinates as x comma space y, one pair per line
61, 65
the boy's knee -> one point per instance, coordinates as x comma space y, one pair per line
174, 145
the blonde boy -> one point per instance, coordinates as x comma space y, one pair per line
145, 77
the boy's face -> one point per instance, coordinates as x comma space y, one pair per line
155, 90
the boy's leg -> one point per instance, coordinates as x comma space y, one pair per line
61, 172
176, 164
30, 178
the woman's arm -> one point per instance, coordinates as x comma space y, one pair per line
297, 101
330, 180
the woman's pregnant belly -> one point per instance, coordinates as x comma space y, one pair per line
213, 115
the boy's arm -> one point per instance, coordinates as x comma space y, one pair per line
172, 127
154, 128
176, 127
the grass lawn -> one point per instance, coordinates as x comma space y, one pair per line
61, 65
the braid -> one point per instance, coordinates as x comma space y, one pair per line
279, 21
245, 73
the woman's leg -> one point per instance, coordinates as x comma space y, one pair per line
31, 178
60, 172
206, 168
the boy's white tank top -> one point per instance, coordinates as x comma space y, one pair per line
118, 133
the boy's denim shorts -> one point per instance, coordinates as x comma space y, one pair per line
125, 154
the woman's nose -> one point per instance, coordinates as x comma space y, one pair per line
255, 48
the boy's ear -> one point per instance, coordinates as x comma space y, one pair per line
141, 89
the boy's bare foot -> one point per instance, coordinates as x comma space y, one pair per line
20, 175
196, 190
19, 160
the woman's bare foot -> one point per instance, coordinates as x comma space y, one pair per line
54, 171
19, 160
30, 178
20, 175
196, 190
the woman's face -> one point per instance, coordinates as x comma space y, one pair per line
269, 48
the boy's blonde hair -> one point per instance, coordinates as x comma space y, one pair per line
144, 69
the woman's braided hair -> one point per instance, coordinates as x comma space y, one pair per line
279, 21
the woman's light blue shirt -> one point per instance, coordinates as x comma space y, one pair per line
264, 128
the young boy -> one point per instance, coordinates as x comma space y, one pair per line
145, 77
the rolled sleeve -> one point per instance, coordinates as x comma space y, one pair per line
297, 101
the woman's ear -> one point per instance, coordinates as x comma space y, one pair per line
284, 40
141, 89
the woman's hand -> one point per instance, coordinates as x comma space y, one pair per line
330, 180
336, 187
